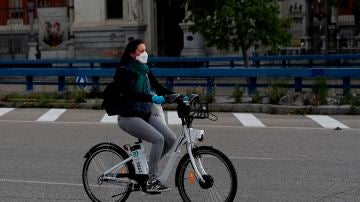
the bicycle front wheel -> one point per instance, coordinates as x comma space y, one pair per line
218, 172
109, 187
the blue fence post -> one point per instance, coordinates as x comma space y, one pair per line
210, 86
61, 85
311, 63
29, 83
256, 62
95, 84
170, 83
346, 85
283, 61
251, 85
338, 63
298, 84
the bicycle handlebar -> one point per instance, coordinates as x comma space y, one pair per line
190, 107
178, 98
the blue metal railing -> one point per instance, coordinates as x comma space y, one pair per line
297, 67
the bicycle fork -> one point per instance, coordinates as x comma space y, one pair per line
197, 165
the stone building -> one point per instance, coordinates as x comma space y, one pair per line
88, 28
318, 26
101, 28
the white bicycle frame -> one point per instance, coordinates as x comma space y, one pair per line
186, 137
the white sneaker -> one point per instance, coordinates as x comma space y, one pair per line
156, 186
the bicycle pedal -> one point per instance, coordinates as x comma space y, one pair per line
136, 187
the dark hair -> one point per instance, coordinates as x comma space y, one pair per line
130, 48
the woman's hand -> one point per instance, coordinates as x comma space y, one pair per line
158, 99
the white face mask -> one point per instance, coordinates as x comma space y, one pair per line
143, 57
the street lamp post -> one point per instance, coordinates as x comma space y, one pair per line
308, 39
31, 20
321, 10
33, 52
326, 34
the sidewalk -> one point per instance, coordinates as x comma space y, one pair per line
279, 109
216, 107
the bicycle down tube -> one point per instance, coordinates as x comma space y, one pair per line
120, 164
183, 138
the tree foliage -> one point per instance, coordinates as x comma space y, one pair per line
238, 24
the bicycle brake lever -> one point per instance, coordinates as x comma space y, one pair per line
172, 98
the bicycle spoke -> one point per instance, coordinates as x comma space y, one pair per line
118, 194
219, 193
220, 187
100, 167
205, 195
103, 167
211, 196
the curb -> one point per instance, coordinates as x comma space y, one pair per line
217, 107
65, 105
281, 109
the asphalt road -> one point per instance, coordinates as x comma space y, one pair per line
290, 158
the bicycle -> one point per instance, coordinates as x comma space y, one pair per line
111, 172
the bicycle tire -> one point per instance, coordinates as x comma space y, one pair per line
95, 164
191, 189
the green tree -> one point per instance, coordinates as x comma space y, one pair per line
239, 24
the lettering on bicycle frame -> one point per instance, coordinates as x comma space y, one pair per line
138, 165
135, 154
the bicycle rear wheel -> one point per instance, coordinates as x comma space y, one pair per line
220, 178
110, 187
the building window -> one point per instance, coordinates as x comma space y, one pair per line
51, 3
43, 3
114, 9
15, 4
16, 9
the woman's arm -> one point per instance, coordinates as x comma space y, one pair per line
160, 89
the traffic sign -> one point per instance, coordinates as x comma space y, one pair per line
82, 82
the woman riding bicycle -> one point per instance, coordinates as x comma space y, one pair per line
139, 86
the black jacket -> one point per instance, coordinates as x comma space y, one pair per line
126, 80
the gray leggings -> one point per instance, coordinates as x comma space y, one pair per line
154, 131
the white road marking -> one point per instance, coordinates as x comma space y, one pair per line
195, 125
248, 119
40, 182
5, 110
327, 121
172, 118
51, 115
109, 119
